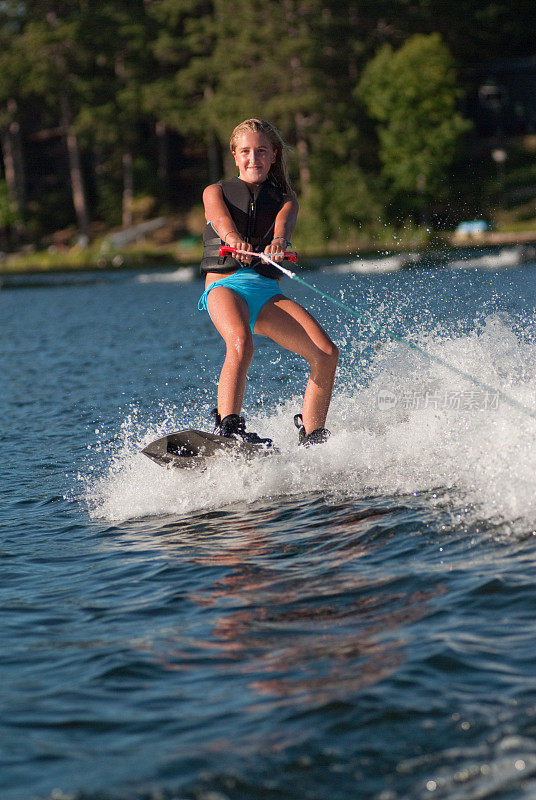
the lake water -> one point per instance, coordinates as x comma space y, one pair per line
357, 620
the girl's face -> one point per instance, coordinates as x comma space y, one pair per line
254, 155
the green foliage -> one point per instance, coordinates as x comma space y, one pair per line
184, 36
160, 84
413, 94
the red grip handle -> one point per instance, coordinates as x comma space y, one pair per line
226, 250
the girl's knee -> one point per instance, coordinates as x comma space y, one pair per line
241, 346
324, 359
329, 355
332, 353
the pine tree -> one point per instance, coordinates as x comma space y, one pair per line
182, 85
13, 70
45, 38
111, 116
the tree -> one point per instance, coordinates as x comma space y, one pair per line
46, 38
412, 92
111, 115
182, 85
12, 70
119, 98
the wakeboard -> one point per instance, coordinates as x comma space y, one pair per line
192, 449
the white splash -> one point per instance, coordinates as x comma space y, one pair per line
366, 266
181, 275
413, 426
505, 258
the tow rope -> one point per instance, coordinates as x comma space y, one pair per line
381, 329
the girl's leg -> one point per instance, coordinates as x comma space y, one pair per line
230, 315
292, 327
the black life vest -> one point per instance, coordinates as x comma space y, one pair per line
254, 219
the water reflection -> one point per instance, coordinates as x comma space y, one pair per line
296, 611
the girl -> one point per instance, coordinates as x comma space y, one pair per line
257, 211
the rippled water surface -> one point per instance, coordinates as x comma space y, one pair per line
351, 621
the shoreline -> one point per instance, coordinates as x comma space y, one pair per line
80, 261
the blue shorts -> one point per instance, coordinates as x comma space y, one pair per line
255, 289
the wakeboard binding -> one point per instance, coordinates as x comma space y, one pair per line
234, 427
318, 436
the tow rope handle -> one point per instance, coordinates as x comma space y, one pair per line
225, 250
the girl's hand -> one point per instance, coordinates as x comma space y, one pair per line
276, 249
234, 240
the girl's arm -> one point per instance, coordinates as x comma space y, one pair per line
217, 214
285, 222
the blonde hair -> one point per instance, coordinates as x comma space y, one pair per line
278, 174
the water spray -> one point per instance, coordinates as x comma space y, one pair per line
381, 329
